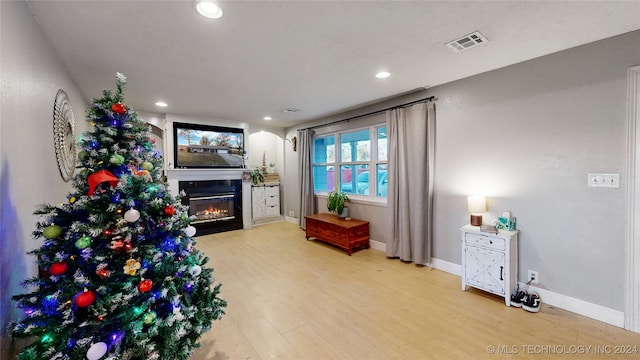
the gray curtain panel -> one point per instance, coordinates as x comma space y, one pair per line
411, 132
305, 143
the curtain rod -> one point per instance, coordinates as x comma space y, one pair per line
430, 98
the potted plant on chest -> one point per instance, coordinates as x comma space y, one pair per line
336, 201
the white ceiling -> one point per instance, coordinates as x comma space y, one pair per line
317, 56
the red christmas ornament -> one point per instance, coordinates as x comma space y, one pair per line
103, 273
118, 108
145, 285
58, 268
169, 210
106, 232
85, 298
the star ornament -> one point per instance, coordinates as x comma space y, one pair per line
131, 267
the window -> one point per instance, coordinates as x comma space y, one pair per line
357, 167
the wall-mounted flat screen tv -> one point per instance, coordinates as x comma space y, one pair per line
204, 146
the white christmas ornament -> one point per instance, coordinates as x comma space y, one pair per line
190, 231
132, 215
195, 270
96, 351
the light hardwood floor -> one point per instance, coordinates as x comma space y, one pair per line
290, 298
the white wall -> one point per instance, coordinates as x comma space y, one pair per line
269, 145
30, 78
526, 136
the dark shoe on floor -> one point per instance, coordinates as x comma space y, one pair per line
517, 297
532, 302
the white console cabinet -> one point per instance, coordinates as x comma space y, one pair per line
265, 200
490, 261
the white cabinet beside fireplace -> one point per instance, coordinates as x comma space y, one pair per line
265, 200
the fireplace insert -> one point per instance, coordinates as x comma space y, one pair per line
215, 204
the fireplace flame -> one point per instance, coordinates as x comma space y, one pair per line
211, 213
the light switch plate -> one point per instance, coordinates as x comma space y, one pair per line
603, 180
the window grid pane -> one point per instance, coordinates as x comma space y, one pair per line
382, 143
322, 178
382, 180
324, 150
355, 146
354, 179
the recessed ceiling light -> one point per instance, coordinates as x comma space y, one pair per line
161, 104
267, 117
383, 75
208, 9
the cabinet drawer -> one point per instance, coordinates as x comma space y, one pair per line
485, 241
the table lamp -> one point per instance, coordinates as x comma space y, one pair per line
477, 205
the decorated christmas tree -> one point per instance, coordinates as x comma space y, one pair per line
120, 277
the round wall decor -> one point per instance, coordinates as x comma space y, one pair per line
64, 138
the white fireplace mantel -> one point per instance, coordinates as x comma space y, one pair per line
174, 176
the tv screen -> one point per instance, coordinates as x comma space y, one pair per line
205, 146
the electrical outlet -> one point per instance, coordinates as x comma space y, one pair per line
533, 277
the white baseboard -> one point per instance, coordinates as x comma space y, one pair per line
446, 266
290, 219
580, 307
268, 220
377, 245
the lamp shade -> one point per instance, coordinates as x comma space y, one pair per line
477, 204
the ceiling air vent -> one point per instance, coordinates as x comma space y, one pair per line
467, 42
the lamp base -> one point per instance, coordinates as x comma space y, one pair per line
476, 220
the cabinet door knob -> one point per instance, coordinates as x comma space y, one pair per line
501, 268
490, 241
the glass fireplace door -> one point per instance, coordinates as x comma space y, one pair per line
212, 208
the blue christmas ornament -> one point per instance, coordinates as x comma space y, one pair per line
120, 170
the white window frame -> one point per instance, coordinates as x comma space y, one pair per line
372, 164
